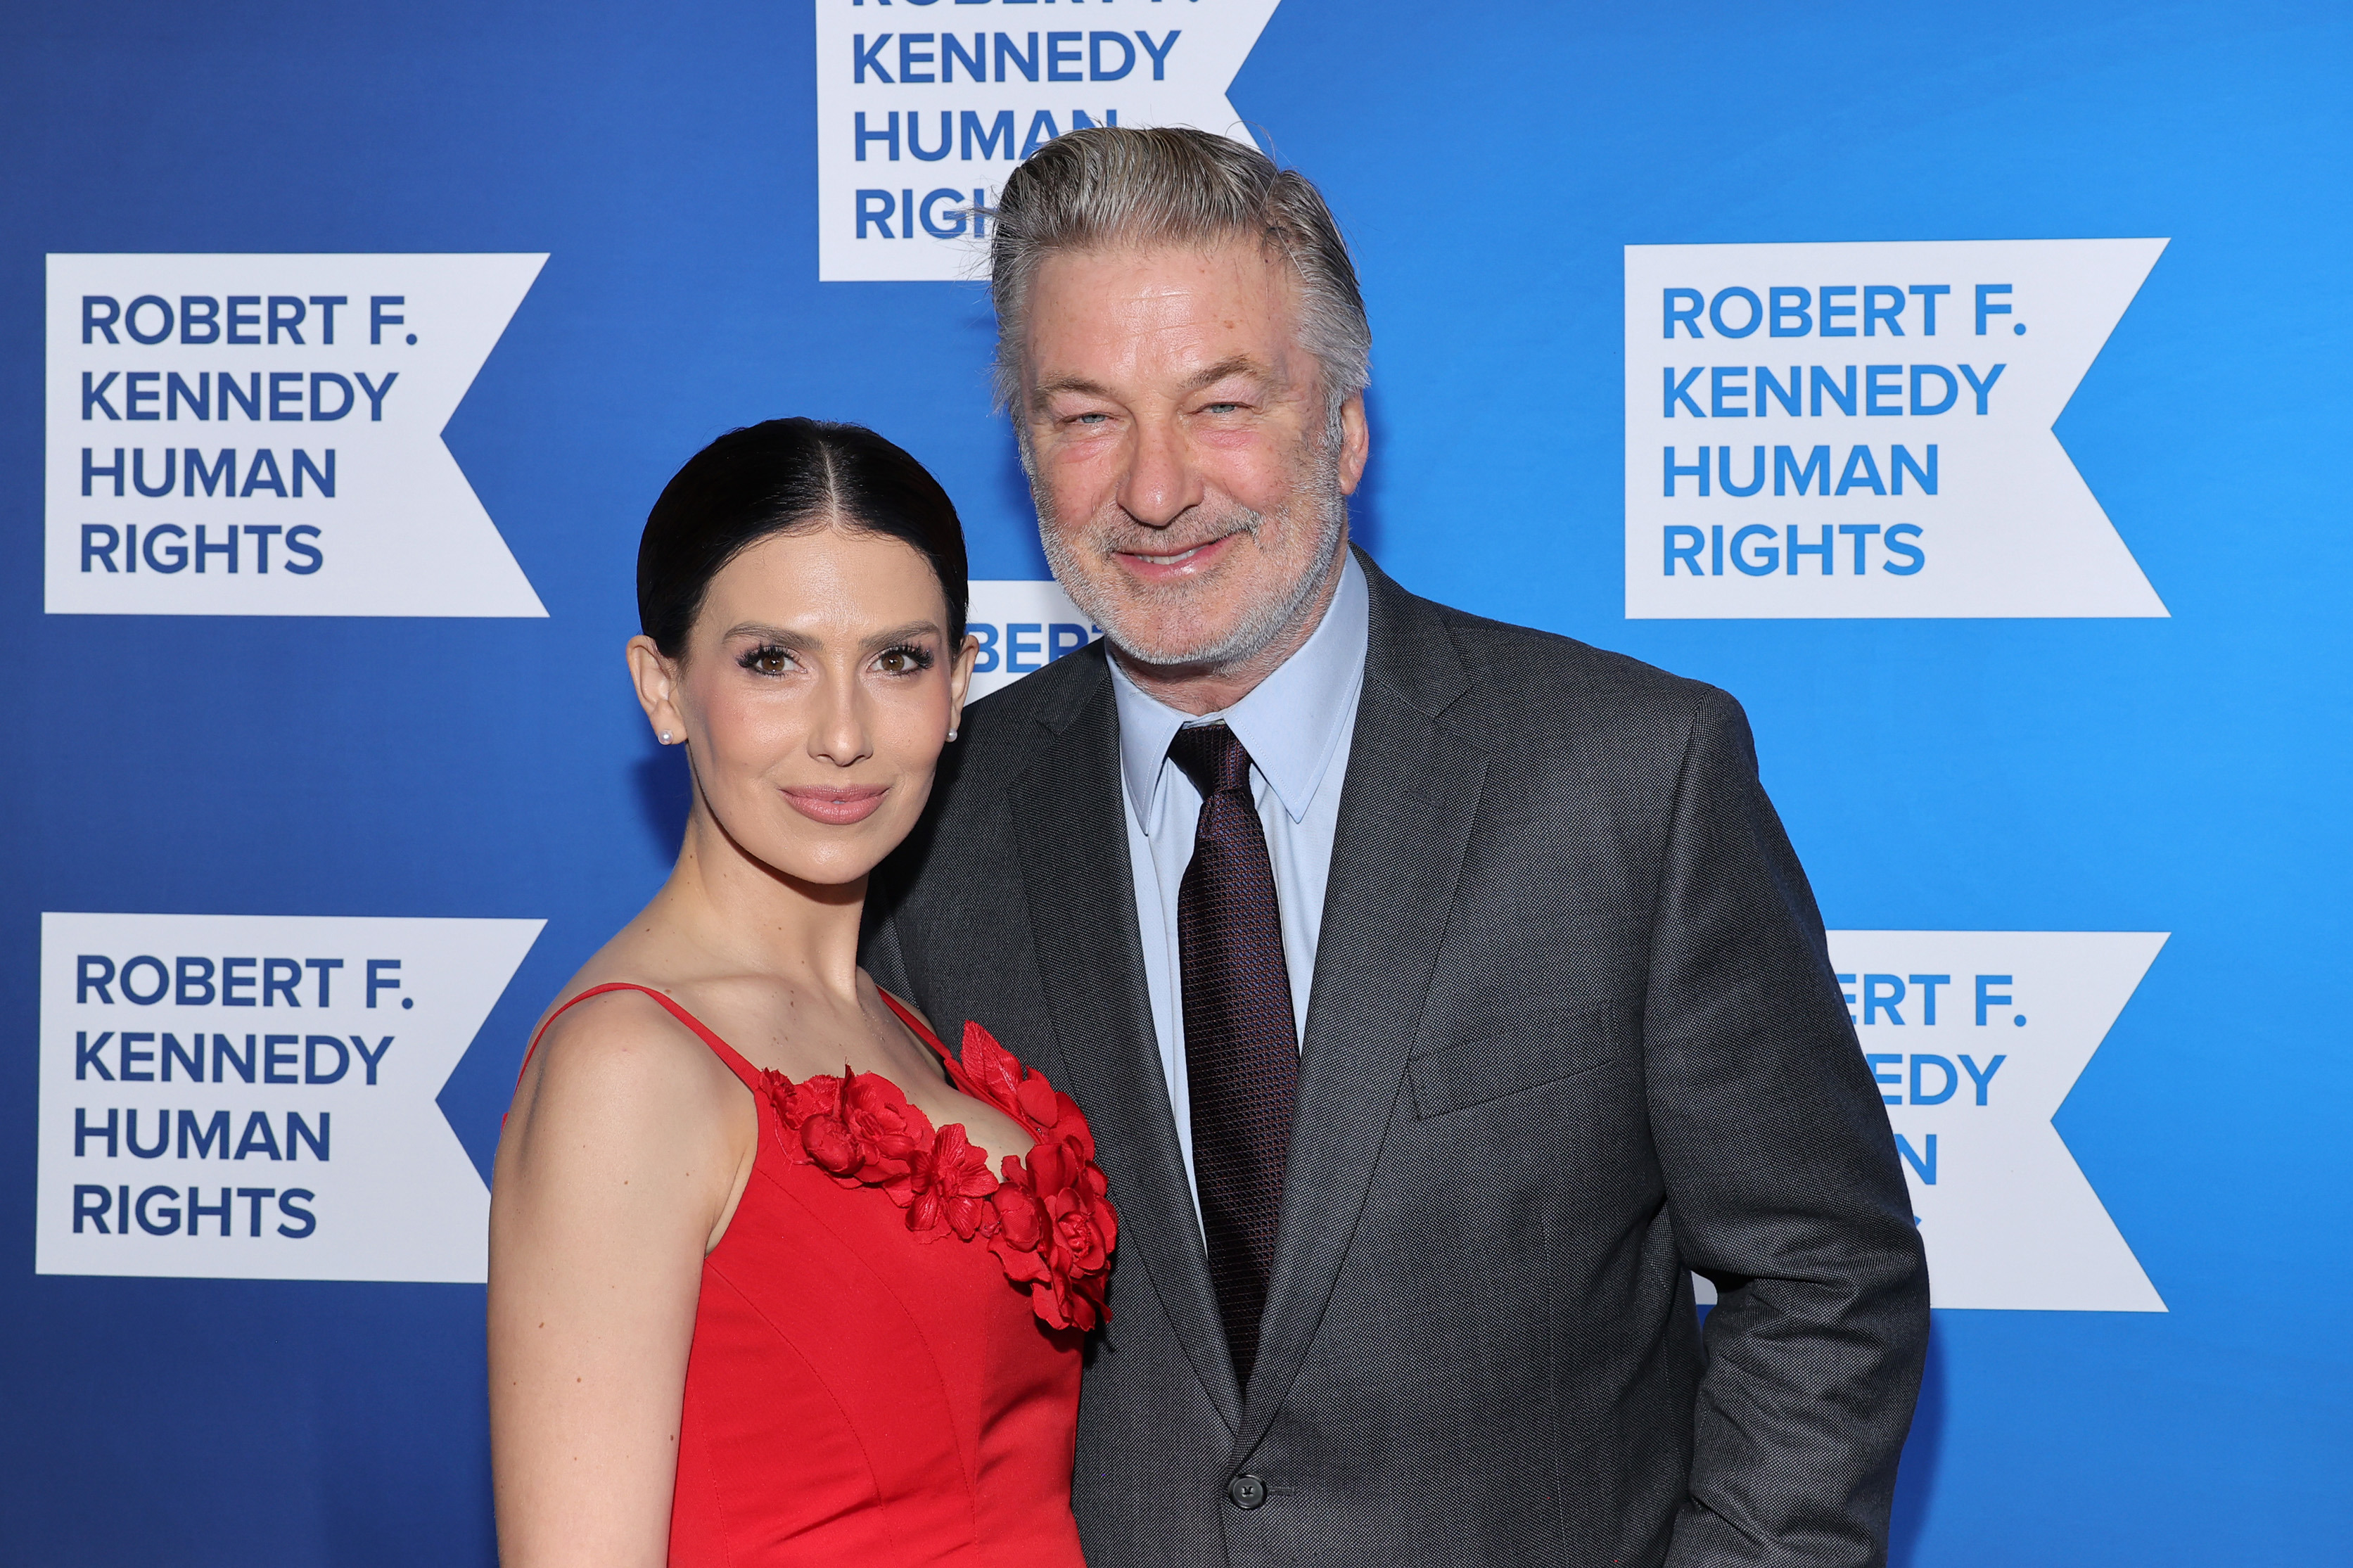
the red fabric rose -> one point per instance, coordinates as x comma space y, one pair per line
1082, 1224
858, 1129
831, 1146
796, 1103
1058, 1233
1048, 1218
950, 1185
1039, 1104
891, 1132
1022, 1225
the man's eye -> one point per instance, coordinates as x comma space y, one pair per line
1219, 407
1090, 419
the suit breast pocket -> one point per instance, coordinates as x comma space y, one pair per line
1514, 1053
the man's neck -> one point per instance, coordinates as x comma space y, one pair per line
1212, 688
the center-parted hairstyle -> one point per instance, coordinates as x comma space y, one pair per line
787, 476
1112, 186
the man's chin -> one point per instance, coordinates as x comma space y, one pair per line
1174, 647
1163, 622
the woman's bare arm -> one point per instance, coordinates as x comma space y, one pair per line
625, 1150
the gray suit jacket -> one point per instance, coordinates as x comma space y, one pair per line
1573, 1034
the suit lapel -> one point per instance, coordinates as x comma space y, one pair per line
1406, 809
1073, 847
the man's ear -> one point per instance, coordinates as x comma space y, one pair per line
656, 678
1356, 443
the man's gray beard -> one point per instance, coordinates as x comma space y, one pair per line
1255, 632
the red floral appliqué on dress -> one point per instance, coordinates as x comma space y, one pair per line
1046, 1217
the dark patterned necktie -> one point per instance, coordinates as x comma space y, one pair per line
1240, 1053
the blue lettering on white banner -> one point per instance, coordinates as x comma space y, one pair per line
1023, 625
921, 114
255, 1098
1974, 1039
261, 435
1864, 430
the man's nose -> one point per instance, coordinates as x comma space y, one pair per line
1161, 484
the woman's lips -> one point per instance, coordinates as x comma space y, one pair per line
837, 805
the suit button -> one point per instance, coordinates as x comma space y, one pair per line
1246, 1490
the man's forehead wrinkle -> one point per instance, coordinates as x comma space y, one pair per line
1202, 314
1080, 383
1239, 364
1161, 275
1207, 251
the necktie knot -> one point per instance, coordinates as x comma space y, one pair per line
1212, 757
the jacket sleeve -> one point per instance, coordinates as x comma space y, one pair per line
1782, 1185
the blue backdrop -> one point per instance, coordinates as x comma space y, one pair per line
2182, 775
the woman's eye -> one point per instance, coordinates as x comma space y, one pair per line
903, 661
768, 661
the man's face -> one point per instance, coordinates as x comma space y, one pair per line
1188, 496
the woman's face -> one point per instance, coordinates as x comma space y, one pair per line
817, 689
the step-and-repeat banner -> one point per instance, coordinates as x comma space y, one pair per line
1963, 389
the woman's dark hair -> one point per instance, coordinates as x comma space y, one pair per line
786, 476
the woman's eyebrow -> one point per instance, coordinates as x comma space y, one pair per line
802, 642
912, 630
782, 636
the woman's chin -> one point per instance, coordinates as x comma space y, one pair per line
828, 857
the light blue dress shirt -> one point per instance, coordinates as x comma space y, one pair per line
1295, 725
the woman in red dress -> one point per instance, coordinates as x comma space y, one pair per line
775, 1277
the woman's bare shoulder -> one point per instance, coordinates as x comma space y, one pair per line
618, 1067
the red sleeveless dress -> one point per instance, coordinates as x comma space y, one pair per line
885, 1367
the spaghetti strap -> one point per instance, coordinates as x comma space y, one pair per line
949, 1061
907, 1016
721, 1049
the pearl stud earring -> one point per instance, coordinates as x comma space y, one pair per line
951, 734
665, 737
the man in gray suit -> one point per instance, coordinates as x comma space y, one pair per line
1442, 994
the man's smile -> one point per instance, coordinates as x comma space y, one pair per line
1176, 565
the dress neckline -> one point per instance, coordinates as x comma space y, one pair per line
751, 1076
1045, 1214
957, 1077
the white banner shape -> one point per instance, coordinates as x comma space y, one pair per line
1023, 625
1976, 1038
922, 113
261, 435
238, 1096
1863, 430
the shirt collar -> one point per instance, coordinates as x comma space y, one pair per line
1290, 724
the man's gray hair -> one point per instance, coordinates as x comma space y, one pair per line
1112, 186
